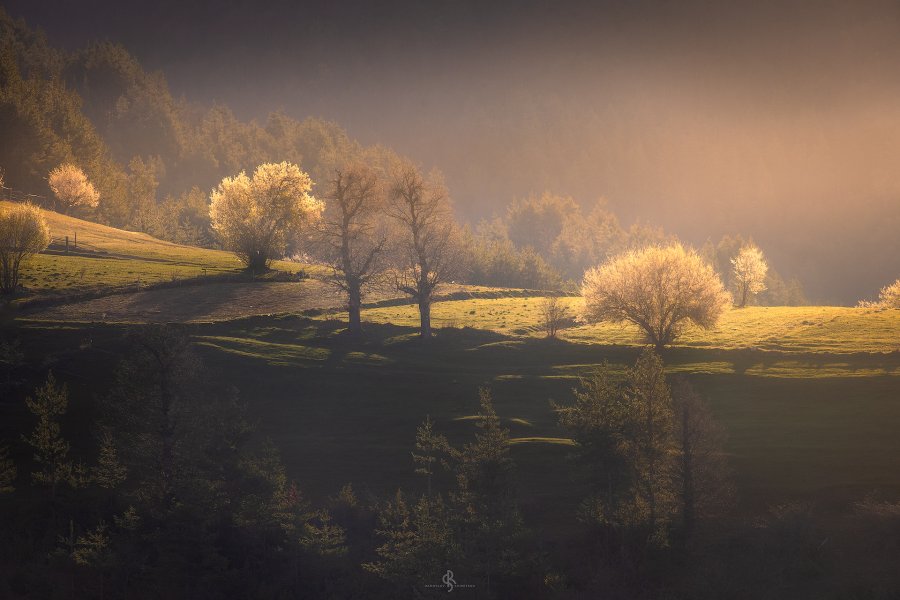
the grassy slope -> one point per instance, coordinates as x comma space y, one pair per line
808, 395
783, 329
342, 410
114, 258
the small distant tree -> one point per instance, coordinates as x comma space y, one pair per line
72, 188
109, 471
749, 270
553, 315
427, 252
254, 217
350, 235
23, 233
659, 289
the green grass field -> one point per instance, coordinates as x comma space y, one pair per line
809, 396
814, 329
109, 259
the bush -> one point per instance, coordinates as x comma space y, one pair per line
659, 289
23, 233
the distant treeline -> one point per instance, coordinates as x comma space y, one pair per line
154, 158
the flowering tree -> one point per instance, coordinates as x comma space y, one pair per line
23, 233
253, 216
749, 270
659, 289
72, 189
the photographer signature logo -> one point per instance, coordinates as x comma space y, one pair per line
449, 582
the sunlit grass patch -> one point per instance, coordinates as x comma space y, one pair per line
816, 329
276, 354
510, 420
367, 358
554, 441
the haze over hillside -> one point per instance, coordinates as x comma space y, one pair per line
774, 120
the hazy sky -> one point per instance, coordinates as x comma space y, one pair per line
778, 120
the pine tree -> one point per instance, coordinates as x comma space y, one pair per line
51, 451
702, 475
418, 542
486, 515
8, 471
109, 472
651, 442
322, 537
433, 450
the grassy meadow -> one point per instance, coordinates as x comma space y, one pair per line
107, 259
808, 396
816, 329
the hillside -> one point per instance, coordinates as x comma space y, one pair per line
832, 329
107, 259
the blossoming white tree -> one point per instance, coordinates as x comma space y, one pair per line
72, 189
889, 297
254, 216
659, 289
749, 270
23, 233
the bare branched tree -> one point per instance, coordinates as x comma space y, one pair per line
352, 240
426, 245
553, 315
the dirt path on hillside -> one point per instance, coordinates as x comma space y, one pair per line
229, 300
210, 302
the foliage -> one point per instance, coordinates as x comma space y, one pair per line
72, 188
51, 450
433, 451
23, 233
538, 221
659, 289
253, 217
749, 270
701, 470
109, 472
889, 296
8, 471
496, 261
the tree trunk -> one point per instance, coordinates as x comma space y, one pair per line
354, 304
687, 469
256, 263
425, 318
743, 296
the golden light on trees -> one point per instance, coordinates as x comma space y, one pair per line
23, 233
889, 297
749, 270
659, 289
254, 216
72, 188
